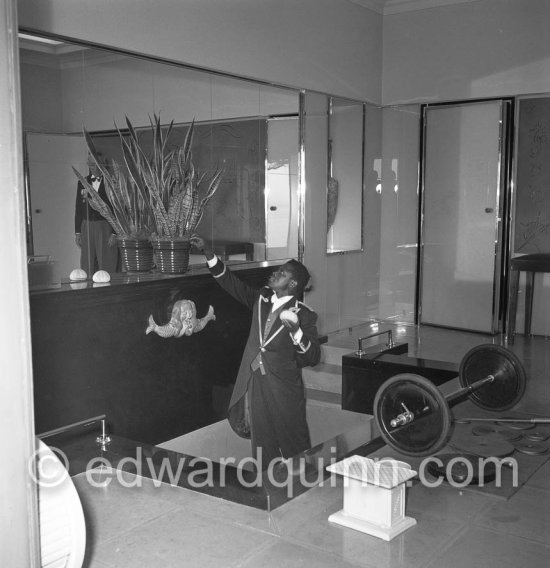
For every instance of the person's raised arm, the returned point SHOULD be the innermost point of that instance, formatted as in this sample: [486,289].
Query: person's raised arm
[240,290]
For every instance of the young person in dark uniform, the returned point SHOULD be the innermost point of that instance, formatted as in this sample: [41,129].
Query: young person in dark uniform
[268,402]
[93,233]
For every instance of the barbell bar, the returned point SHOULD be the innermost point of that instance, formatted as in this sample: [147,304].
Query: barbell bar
[535,420]
[414,417]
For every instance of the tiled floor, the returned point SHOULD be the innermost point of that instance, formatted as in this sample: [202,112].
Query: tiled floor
[143,526]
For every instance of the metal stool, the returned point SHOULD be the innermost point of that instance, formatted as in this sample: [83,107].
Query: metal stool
[530,264]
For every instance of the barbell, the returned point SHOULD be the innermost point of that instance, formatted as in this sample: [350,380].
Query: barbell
[414,417]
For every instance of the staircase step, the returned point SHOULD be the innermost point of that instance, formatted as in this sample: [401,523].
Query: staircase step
[333,355]
[332,398]
[324,377]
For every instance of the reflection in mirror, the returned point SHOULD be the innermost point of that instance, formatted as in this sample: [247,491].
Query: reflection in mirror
[233,146]
[532,211]
[282,188]
[346,143]
[248,129]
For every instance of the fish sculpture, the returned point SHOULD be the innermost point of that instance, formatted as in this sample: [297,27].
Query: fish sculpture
[183,321]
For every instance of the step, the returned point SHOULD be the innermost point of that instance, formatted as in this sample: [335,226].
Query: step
[333,355]
[324,377]
[334,399]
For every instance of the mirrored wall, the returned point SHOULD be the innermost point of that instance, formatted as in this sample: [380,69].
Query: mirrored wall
[345,178]
[248,130]
[531,212]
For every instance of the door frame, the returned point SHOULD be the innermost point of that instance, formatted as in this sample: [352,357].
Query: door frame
[503,242]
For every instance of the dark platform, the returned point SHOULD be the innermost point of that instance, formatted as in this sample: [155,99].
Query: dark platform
[260,490]
[362,376]
[91,355]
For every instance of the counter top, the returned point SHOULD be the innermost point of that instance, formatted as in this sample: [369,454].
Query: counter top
[124,278]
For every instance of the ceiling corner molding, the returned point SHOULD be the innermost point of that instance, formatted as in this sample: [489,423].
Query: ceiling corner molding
[398,6]
[374,5]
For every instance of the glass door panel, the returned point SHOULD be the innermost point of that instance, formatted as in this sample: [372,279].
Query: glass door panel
[281,182]
[461,215]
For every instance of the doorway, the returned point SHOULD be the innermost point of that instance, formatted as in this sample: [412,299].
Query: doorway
[464,232]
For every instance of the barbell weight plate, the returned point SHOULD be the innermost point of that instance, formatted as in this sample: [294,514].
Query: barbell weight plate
[497,431]
[461,468]
[537,436]
[510,380]
[531,448]
[431,427]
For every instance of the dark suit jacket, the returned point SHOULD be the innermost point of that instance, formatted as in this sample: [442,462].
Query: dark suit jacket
[83,211]
[281,386]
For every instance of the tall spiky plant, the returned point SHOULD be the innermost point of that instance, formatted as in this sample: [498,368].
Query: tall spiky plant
[162,195]
[177,192]
[129,213]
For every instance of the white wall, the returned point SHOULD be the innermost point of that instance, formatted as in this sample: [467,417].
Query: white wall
[486,48]
[18,519]
[333,46]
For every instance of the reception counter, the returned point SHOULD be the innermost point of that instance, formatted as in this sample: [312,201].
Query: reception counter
[91,355]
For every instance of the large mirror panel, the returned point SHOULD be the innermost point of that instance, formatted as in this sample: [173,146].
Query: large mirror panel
[345,180]
[248,130]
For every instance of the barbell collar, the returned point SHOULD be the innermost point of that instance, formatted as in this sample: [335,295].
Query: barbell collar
[403,418]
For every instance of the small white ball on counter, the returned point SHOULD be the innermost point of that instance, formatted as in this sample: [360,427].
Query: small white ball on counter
[101,276]
[78,274]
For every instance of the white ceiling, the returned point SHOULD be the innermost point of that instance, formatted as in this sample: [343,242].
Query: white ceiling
[396,6]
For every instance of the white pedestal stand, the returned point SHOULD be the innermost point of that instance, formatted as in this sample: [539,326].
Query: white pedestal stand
[374,496]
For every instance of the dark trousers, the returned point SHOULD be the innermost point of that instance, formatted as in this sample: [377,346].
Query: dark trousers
[96,254]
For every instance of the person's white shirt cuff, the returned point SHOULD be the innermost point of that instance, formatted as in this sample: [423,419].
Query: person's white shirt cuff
[297,337]
[212,262]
